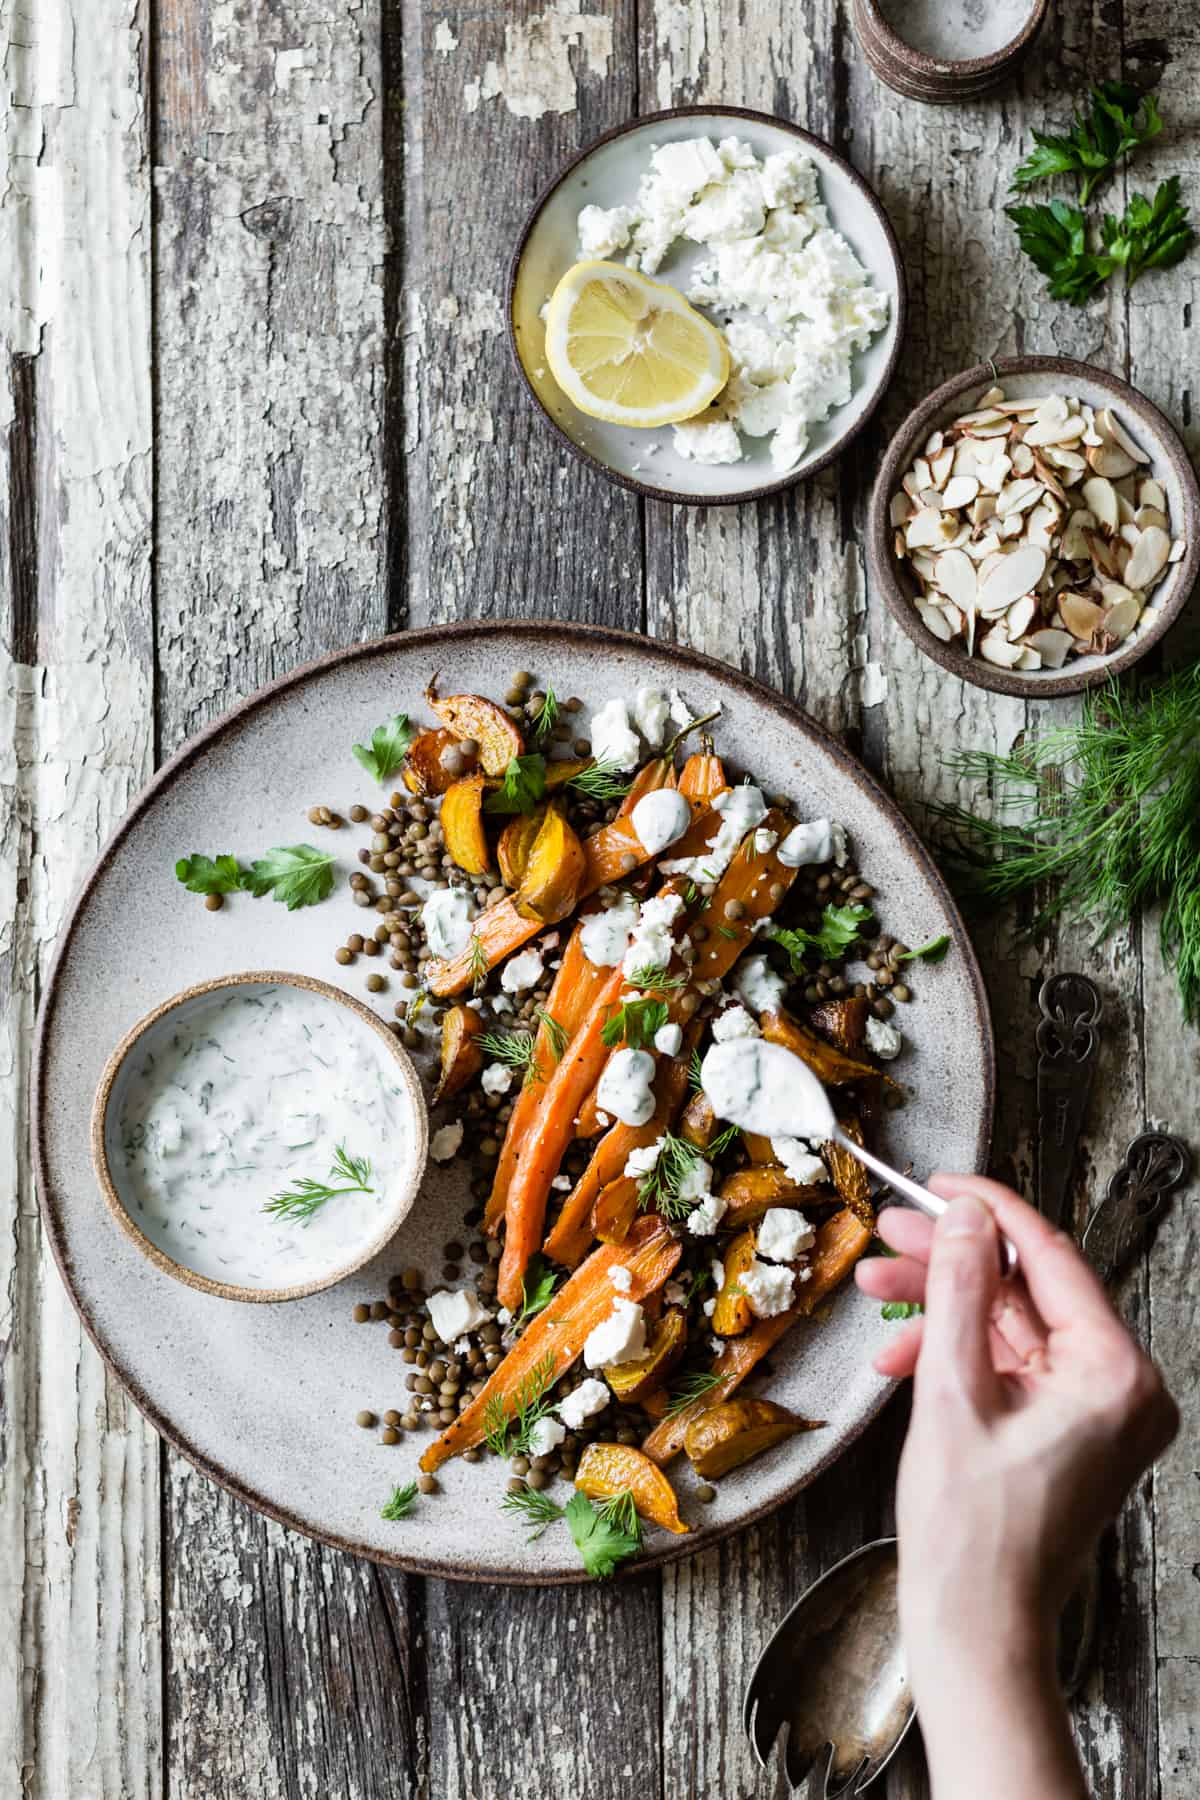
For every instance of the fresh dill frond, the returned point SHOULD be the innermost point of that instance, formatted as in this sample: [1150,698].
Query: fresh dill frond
[478,967]
[547,717]
[653,978]
[697,1284]
[727,931]
[724,1141]
[660,1186]
[691,894]
[689,1388]
[507,1433]
[602,781]
[401,1502]
[512,1048]
[557,1035]
[622,1514]
[305,1196]
[694,1073]
[537,1510]
[1100,819]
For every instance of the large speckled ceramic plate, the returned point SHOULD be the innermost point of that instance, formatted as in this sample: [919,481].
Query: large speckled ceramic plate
[262,1398]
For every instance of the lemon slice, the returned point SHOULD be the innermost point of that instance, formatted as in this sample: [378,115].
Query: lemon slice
[629,350]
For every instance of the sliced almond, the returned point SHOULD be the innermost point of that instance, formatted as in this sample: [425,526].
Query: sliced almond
[1049,479]
[1100,498]
[940,467]
[958,619]
[925,529]
[1177,551]
[1022,460]
[922,562]
[1081,617]
[995,648]
[1150,515]
[1149,558]
[934,443]
[1069,461]
[955,576]
[1028,660]
[960,490]
[983,508]
[984,415]
[1018,496]
[935,620]
[1103,555]
[922,473]
[1052,646]
[1074,546]
[1014,575]
[1056,431]
[1152,493]
[1109,426]
[1120,619]
[1110,461]
[1020,617]
[901,508]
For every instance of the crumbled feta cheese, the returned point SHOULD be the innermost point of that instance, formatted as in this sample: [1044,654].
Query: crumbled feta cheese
[452,1314]
[650,715]
[717,1271]
[734,1022]
[703,1220]
[784,1234]
[799,1163]
[883,1038]
[626,1086]
[522,972]
[497,1078]
[545,1435]
[446,917]
[652,943]
[613,738]
[710,1306]
[446,1141]
[504,1317]
[681,712]
[757,985]
[668,1040]
[583,1402]
[604,230]
[640,1162]
[713,444]
[619,1338]
[621,1277]
[794,302]
[602,1118]
[696,1181]
[764,840]
[741,809]
[768,1287]
[810,843]
[674,1293]
[562,1184]
[659,818]
[604,936]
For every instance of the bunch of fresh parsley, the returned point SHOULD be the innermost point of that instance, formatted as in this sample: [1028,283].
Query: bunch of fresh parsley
[296,874]
[1150,234]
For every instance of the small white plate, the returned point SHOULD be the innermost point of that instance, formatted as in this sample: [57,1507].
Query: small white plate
[607,174]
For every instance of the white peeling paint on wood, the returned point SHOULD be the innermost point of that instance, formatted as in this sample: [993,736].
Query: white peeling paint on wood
[544,59]
[79,1571]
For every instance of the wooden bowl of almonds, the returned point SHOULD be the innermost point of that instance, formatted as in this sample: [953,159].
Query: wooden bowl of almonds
[1035,526]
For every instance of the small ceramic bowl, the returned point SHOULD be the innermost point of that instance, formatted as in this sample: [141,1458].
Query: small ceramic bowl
[330,1262]
[950,50]
[1169,464]
[606,174]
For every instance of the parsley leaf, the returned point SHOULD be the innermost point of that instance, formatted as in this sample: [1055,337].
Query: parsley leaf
[839,929]
[1152,234]
[523,785]
[636,1022]
[932,952]
[537,1290]
[1120,120]
[388,747]
[210,874]
[900,1309]
[296,874]
[601,1539]
[401,1502]
[1054,237]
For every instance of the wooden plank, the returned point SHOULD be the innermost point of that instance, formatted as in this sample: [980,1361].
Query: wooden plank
[79,1595]
[290,1670]
[503,520]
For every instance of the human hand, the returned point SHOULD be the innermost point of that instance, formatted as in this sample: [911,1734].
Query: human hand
[1034,1412]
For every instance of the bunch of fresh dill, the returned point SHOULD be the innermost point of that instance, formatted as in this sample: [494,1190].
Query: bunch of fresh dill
[1105,813]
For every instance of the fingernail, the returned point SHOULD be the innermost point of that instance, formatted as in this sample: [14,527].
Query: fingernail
[965,1217]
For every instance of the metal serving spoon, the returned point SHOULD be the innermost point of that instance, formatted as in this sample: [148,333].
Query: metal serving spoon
[834,1677]
[920,1197]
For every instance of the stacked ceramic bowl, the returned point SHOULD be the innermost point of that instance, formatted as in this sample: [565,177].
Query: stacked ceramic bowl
[946,51]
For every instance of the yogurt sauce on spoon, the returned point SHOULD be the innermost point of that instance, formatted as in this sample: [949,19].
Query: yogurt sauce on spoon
[766,1089]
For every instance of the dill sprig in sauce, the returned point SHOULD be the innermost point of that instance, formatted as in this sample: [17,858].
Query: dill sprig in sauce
[306,1196]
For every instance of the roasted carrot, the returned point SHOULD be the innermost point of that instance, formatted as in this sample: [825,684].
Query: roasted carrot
[832,1066]
[749,1193]
[501,929]
[546,1141]
[841,1240]
[556,1336]
[758,881]
[572,1232]
[615,1210]
[575,987]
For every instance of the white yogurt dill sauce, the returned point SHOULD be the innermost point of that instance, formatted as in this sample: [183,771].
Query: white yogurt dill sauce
[233,1098]
[766,1089]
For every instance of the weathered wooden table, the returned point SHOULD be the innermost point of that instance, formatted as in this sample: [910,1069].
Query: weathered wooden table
[255,403]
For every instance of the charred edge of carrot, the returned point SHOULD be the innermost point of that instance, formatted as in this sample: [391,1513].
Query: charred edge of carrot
[841,1240]
[546,1141]
[650,1253]
[748,880]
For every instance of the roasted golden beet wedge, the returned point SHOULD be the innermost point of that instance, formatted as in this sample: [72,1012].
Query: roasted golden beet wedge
[731,1433]
[462,1058]
[472,716]
[422,772]
[462,824]
[732,1314]
[606,1470]
[842,1022]
[749,1193]
[634,1380]
[554,872]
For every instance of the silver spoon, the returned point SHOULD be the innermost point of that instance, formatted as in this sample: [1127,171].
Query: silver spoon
[834,1677]
[920,1197]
